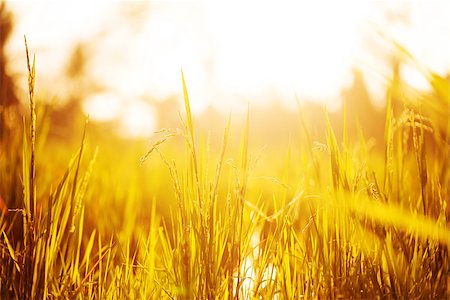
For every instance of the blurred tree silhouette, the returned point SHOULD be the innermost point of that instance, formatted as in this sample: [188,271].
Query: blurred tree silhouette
[68,117]
[11,191]
[8,97]
[360,109]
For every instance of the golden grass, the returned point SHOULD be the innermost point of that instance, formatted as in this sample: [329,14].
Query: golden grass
[338,220]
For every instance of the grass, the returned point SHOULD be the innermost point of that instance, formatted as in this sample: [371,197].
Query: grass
[334,219]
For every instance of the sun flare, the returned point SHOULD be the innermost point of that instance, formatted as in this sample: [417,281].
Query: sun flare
[234,54]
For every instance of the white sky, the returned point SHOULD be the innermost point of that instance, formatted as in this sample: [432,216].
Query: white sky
[231,53]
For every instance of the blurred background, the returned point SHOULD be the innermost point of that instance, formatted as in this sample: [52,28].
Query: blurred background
[120,61]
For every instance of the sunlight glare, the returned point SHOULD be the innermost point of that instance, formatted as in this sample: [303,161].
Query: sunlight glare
[233,54]
[102,107]
[138,119]
[285,48]
[250,271]
[415,78]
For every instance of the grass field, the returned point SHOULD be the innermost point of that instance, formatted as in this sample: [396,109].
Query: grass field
[192,217]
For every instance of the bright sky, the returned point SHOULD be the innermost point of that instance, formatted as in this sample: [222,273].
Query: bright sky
[231,54]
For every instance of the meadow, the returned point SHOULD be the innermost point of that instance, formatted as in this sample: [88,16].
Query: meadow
[196,215]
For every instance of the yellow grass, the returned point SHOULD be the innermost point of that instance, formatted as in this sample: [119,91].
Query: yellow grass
[187,219]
